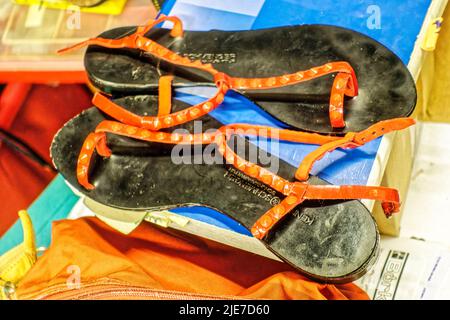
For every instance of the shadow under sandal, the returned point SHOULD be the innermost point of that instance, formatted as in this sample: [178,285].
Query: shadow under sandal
[301,75]
[318,228]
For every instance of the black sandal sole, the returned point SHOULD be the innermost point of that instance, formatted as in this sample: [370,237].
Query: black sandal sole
[387,89]
[329,241]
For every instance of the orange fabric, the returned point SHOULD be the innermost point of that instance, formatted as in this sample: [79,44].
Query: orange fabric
[165,259]
[165,96]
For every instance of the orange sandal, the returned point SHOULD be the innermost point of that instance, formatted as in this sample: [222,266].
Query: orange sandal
[144,53]
[316,227]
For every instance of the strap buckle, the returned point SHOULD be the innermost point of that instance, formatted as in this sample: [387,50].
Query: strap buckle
[352,142]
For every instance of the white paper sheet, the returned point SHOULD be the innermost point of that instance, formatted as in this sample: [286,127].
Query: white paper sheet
[409,269]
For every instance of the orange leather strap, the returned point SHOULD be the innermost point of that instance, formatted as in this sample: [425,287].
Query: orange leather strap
[118,128]
[342,67]
[302,191]
[279,134]
[295,192]
[337,100]
[327,143]
[165,96]
[288,188]
[351,140]
[344,84]
[97,141]
[177,30]
[130,40]
[160,121]
[138,40]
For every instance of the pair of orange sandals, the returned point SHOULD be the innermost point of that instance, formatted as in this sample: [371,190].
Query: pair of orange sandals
[340,240]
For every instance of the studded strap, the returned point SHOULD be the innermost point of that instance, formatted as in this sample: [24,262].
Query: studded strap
[340,86]
[161,121]
[344,84]
[96,141]
[351,140]
[340,67]
[300,192]
[137,40]
[327,143]
[297,192]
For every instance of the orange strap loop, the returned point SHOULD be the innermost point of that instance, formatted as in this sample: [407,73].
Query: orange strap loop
[93,141]
[97,141]
[177,30]
[351,140]
[165,95]
[336,109]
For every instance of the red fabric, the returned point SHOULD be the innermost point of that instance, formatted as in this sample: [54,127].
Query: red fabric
[44,110]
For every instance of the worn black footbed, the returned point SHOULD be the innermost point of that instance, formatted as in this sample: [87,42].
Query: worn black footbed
[329,241]
[387,89]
